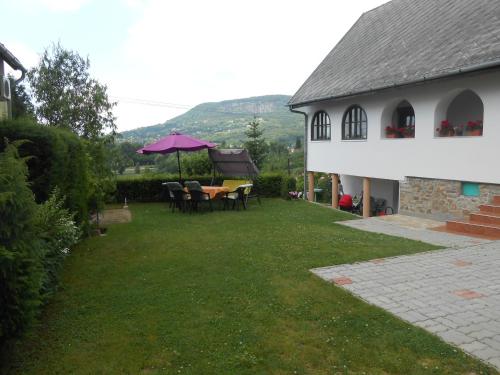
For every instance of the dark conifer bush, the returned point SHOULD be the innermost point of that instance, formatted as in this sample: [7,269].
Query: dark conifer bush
[20,271]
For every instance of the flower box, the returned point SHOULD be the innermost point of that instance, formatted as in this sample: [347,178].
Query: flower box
[474,128]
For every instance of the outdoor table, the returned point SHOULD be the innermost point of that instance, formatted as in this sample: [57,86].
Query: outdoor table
[213,191]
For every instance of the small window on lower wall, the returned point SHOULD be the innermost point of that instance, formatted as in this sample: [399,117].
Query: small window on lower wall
[470,189]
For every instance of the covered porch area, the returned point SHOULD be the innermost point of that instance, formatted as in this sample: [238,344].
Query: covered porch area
[384,193]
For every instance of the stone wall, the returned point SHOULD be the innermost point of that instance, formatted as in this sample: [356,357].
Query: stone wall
[441,199]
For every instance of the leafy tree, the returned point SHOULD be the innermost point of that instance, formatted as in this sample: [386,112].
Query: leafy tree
[298,143]
[276,159]
[119,162]
[255,144]
[120,159]
[197,164]
[166,163]
[21,101]
[101,178]
[67,97]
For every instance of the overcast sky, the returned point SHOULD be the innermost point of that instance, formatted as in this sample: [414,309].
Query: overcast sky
[160,57]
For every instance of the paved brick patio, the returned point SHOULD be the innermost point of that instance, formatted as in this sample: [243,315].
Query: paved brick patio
[453,293]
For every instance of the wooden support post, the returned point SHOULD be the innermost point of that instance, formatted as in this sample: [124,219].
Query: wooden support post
[366,197]
[310,189]
[335,190]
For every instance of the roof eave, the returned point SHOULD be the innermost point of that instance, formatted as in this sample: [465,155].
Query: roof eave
[10,59]
[472,68]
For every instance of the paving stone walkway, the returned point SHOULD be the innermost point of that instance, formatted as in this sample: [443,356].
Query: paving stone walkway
[413,228]
[453,293]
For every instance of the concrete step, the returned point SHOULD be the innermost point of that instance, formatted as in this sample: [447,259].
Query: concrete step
[496,200]
[491,231]
[490,208]
[485,218]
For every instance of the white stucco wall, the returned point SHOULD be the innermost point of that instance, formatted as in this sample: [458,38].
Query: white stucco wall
[455,158]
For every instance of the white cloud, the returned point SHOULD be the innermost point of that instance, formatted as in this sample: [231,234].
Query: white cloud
[194,51]
[135,4]
[55,5]
[64,5]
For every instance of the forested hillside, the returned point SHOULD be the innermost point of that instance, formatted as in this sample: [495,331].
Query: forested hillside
[226,121]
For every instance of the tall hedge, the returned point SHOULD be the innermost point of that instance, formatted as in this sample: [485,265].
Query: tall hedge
[20,273]
[57,158]
[34,240]
[149,188]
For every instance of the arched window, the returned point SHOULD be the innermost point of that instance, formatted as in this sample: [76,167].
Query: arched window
[320,127]
[354,123]
[402,122]
[464,116]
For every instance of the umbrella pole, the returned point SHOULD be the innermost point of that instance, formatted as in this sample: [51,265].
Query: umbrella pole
[179,166]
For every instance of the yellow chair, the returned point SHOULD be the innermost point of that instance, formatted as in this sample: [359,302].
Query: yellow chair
[239,190]
[234,184]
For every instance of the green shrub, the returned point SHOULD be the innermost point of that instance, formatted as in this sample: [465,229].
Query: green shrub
[150,189]
[269,185]
[324,182]
[289,184]
[33,243]
[20,272]
[198,164]
[58,233]
[57,158]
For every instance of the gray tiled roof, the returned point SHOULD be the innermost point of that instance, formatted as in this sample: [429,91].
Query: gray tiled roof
[10,59]
[405,41]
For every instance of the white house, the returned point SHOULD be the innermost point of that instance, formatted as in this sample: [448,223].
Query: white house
[427,71]
[5,83]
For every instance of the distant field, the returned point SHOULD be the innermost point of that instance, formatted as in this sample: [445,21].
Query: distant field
[143,169]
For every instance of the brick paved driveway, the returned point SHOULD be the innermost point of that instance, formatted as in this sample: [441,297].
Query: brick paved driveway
[453,293]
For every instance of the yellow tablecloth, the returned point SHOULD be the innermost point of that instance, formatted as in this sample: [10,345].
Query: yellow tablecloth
[214,190]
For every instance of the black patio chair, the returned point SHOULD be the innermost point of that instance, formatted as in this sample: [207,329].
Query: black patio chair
[239,195]
[168,195]
[179,197]
[251,193]
[357,208]
[198,196]
[379,207]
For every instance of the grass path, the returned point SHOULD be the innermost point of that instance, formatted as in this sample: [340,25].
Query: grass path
[226,293]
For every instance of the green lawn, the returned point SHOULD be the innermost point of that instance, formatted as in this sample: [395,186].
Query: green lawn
[226,293]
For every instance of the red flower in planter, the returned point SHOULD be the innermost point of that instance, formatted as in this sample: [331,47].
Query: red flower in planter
[474,126]
[391,131]
[446,129]
[445,124]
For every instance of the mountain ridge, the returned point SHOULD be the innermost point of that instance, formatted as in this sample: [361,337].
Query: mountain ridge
[226,121]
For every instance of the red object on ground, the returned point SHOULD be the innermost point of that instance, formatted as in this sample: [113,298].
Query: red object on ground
[345,201]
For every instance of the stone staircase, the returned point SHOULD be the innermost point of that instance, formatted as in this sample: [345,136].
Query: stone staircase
[485,223]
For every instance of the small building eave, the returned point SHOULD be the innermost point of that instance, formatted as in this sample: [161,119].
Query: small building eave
[12,61]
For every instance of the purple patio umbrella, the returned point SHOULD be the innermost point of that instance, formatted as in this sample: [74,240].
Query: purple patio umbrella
[176,142]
